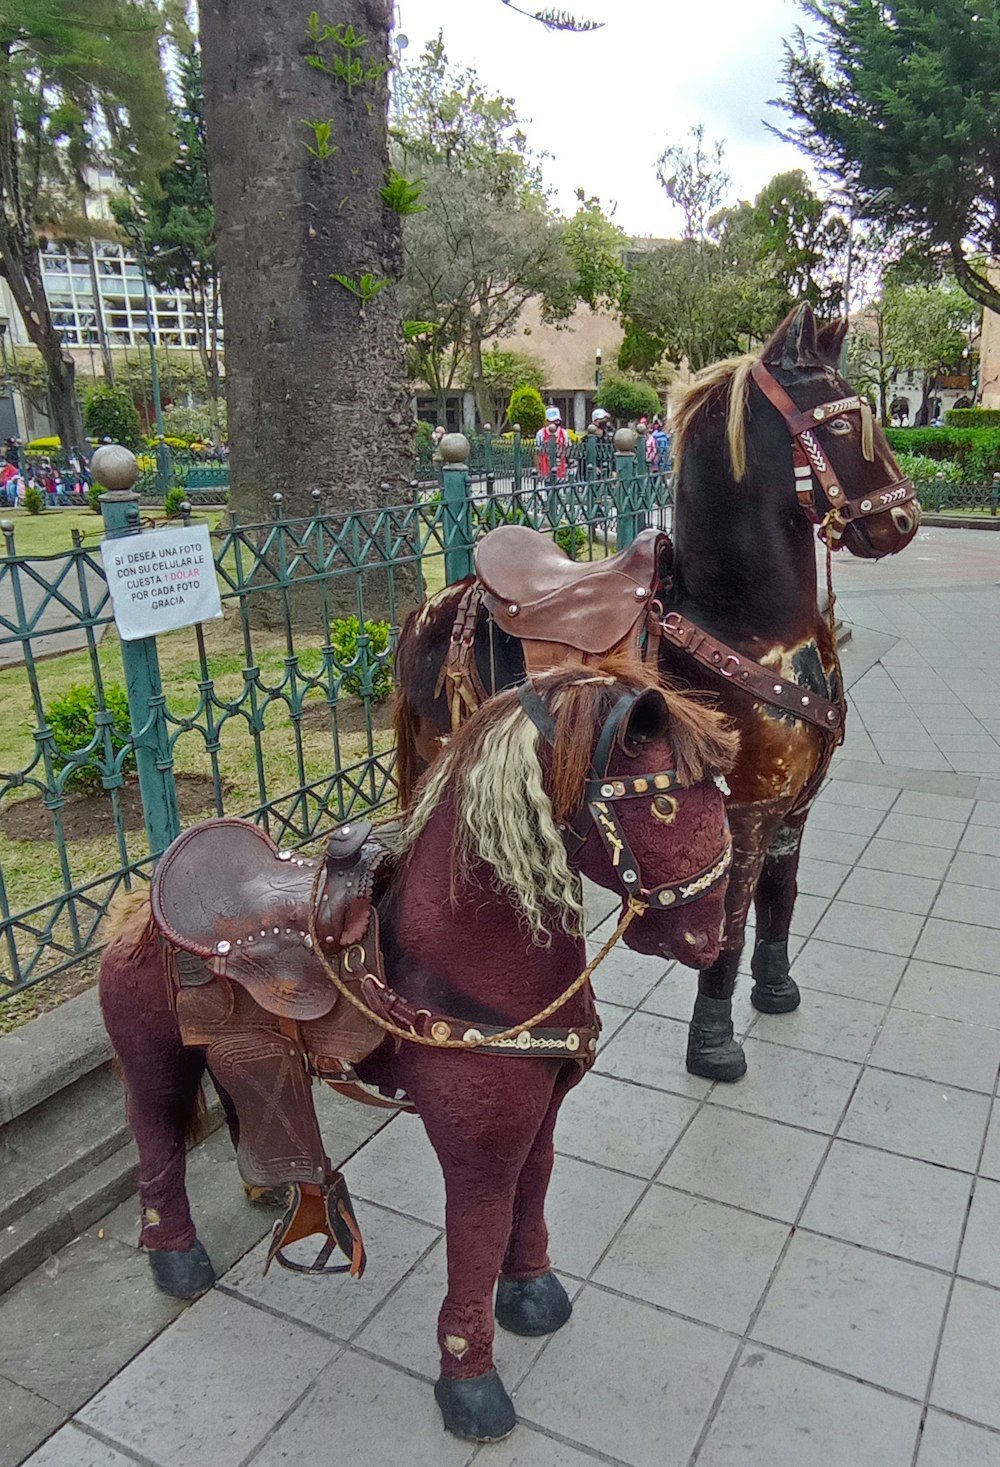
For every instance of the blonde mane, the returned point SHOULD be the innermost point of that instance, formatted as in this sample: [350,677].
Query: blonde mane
[729,379]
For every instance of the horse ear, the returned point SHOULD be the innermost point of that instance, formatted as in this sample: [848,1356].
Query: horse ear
[830,340]
[794,343]
[648,720]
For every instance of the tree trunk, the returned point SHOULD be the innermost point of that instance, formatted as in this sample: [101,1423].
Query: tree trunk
[482,394]
[22,271]
[315,377]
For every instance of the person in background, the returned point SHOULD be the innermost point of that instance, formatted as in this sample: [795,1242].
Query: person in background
[12,452]
[659,439]
[552,439]
[8,483]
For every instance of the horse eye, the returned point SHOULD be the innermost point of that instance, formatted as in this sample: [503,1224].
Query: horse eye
[840,426]
[664,808]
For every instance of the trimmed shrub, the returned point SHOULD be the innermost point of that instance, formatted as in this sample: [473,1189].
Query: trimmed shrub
[109,412]
[48,445]
[172,501]
[344,634]
[924,470]
[572,539]
[628,400]
[34,499]
[975,450]
[73,721]
[94,493]
[973,417]
[527,409]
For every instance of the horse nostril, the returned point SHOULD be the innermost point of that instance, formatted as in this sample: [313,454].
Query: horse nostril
[902,521]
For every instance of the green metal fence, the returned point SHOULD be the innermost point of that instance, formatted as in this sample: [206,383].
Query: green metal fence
[942,497]
[279,712]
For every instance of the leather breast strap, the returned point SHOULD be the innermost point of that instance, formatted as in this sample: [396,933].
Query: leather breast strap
[759,682]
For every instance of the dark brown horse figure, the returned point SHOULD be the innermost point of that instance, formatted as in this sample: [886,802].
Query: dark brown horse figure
[767,448]
[483,919]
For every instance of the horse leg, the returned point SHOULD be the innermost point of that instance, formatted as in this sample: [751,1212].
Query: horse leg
[482,1115]
[712,1050]
[530,1299]
[774,990]
[162,1089]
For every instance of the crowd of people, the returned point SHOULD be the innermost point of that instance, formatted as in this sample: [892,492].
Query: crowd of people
[60,485]
[556,454]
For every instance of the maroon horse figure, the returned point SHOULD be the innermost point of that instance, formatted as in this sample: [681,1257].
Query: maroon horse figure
[592,771]
[766,448]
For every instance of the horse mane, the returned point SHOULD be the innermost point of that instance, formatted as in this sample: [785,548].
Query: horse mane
[726,380]
[508,806]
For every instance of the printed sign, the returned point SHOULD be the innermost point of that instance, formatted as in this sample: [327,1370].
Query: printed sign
[161,580]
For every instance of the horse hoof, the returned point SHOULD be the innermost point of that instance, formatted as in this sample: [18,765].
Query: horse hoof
[712,1052]
[776,998]
[532,1306]
[182,1275]
[478,1410]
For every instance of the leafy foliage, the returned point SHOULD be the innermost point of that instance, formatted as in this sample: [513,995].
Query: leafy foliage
[344,59]
[557,20]
[34,499]
[910,328]
[694,178]
[173,500]
[72,718]
[365,287]
[973,418]
[527,409]
[924,470]
[109,412]
[320,147]
[366,662]
[596,249]
[572,539]
[403,194]
[193,424]
[628,400]
[899,99]
[976,451]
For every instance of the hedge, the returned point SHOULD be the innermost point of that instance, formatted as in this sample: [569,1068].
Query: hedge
[973,418]
[975,450]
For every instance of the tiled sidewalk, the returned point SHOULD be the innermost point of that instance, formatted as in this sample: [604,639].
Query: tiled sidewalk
[800,1270]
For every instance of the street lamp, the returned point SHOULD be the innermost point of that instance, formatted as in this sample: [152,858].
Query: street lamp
[598,375]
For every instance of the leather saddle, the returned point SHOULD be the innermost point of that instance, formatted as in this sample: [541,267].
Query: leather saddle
[552,604]
[224,893]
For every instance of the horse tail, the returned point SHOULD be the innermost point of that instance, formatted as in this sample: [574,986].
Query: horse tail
[129,913]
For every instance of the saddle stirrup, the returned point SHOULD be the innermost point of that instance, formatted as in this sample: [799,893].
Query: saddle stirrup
[325,1209]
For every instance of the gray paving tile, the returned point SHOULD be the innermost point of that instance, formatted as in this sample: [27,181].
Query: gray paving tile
[966,1380]
[808,1090]
[212,1361]
[404,1331]
[72,1447]
[990,1164]
[650,1050]
[980,1258]
[950,993]
[849,819]
[937,807]
[399,1169]
[847,1308]
[917,1118]
[826,1023]
[832,845]
[922,830]
[626,1127]
[891,1203]
[906,858]
[674,996]
[821,878]
[362,1411]
[973,904]
[988,792]
[527,1448]
[394,1244]
[667,1372]
[986,812]
[625,977]
[950,1443]
[868,796]
[959,945]
[850,971]
[982,840]
[931,760]
[890,891]
[25,1420]
[48,1342]
[807,912]
[973,870]
[585,1208]
[746,1161]
[867,927]
[695,1257]
[938,1049]
[612,1016]
[821,1421]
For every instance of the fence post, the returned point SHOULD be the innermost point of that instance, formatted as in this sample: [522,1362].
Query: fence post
[995,495]
[456,507]
[116,470]
[624,489]
[518,470]
[590,450]
[164,466]
[938,490]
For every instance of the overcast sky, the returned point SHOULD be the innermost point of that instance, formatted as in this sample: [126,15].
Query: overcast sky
[604,104]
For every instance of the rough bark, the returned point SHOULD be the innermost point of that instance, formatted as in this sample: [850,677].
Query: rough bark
[314,379]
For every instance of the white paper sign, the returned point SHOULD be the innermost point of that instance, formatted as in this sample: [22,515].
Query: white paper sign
[161,580]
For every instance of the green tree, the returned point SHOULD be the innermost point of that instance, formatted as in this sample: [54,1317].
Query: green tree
[504,370]
[911,328]
[177,219]
[596,250]
[527,409]
[626,399]
[109,412]
[695,179]
[75,83]
[900,100]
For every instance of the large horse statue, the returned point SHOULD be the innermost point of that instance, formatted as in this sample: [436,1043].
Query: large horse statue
[442,982]
[766,449]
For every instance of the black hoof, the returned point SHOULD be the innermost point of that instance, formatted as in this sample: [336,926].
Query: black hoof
[532,1306]
[478,1410]
[182,1275]
[712,1052]
[776,998]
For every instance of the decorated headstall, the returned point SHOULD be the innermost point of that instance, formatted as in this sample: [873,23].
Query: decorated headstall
[819,494]
[601,793]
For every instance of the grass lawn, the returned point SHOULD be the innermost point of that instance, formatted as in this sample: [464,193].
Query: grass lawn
[51,532]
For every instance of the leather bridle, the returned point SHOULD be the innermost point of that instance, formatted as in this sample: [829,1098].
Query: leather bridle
[601,793]
[821,497]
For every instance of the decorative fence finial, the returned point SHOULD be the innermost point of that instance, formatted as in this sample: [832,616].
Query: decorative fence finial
[114,467]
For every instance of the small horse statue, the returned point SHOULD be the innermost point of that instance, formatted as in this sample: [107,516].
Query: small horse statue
[766,449]
[594,771]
